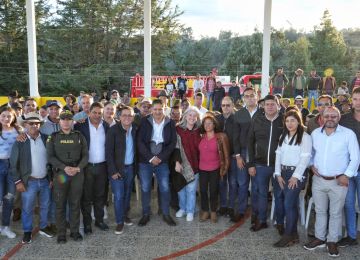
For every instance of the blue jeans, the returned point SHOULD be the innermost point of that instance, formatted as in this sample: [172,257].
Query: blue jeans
[161,171]
[260,191]
[122,189]
[350,212]
[228,182]
[187,196]
[242,179]
[7,191]
[287,202]
[209,96]
[28,203]
[312,94]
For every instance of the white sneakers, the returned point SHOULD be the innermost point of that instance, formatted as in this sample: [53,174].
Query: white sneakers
[6,231]
[190,217]
[180,213]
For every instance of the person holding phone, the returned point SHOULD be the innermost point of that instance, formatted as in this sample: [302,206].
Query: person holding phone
[335,159]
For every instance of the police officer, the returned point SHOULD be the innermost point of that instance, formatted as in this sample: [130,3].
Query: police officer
[68,153]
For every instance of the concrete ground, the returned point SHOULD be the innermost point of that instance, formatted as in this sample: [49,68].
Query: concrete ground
[188,240]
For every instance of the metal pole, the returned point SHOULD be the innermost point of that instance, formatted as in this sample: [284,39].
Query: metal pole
[147,48]
[266,49]
[32,54]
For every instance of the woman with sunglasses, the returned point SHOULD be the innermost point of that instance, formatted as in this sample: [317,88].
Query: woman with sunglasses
[9,130]
[292,158]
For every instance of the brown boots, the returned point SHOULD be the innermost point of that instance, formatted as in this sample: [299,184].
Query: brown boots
[204,215]
[213,217]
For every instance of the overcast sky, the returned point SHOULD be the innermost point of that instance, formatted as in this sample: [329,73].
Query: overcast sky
[209,17]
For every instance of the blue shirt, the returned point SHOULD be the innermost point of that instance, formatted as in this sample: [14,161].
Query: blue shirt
[7,139]
[337,153]
[129,151]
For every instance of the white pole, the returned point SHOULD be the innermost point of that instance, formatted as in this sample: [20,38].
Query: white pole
[32,54]
[147,48]
[266,49]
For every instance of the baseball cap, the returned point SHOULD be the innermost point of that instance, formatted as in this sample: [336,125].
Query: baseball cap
[50,103]
[66,115]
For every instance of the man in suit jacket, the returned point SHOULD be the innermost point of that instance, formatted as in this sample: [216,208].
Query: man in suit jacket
[94,130]
[120,150]
[156,141]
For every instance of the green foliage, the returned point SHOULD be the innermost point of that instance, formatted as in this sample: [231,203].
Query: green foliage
[98,44]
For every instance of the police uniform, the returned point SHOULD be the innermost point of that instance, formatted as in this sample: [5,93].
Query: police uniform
[67,150]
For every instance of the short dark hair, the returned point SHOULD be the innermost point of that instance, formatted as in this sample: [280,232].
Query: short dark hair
[355,91]
[29,99]
[272,97]
[96,104]
[199,94]
[126,108]
[215,122]
[157,102]
[248,89]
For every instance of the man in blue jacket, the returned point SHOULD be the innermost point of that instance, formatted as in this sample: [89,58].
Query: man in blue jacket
[156,141]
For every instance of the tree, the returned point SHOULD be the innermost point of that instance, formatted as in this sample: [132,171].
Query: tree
[13,43]
[328,48]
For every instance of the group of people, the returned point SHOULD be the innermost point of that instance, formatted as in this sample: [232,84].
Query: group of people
[70,159]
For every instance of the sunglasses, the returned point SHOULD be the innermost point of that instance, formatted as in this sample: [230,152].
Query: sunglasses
[324,104]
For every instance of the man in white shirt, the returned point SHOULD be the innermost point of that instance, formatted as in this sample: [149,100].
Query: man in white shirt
[335,160]
[94,130]
[198,100]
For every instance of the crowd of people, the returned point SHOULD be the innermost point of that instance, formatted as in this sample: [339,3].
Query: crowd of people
[60,161]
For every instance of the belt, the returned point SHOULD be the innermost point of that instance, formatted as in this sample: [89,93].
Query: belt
[331,178]
[36,179]
[284,168]
[95,164]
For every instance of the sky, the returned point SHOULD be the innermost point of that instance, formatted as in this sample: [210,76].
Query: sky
[209,17]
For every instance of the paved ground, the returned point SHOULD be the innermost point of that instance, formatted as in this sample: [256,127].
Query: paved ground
[158,240]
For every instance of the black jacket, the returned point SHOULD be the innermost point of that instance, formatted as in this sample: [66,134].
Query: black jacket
[231,129]
[84,129]
[263,140]
[243,120]
[144,136]
[115,148]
